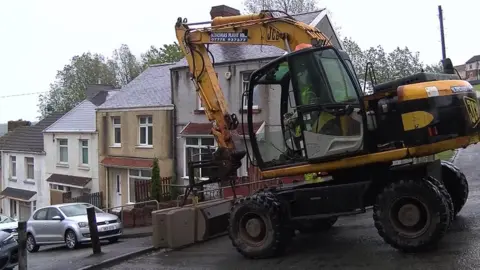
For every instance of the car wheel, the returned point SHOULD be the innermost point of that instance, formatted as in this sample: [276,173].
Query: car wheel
[71,239]
[113,240]
[32,244]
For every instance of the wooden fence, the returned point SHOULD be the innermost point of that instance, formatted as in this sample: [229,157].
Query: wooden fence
[92,198]
[143,189]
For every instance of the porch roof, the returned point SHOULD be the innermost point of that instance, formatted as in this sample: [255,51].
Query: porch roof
[17,194]
[127,162]
[71,180]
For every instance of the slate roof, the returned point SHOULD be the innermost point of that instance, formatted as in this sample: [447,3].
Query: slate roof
[79,119]
[29,138]
[236,53]
[69,180]
[473,59]
[82,117]
[149,89]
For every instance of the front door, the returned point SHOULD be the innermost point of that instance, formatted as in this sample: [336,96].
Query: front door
[328,104]
[25,210]
[117,191]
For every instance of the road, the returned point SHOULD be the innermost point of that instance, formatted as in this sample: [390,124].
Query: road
[352,244]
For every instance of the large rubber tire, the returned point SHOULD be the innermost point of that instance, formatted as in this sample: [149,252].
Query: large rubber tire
[317,225]
[443,190]
[456,184]
[432,210]
[270,235]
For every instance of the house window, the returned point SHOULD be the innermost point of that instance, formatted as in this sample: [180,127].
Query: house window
[199,100]
[135,176]
[13,167]
[199,103]
[117,131]
[197,149]
[60,187]
[146,130]
[62,150]
[34,206]
[84,152]
[29,168]
[245,85]
[13,208]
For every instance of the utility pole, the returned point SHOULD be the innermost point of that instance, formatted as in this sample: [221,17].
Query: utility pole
[442,34]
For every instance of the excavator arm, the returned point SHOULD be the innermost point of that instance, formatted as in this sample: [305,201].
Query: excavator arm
[257,29]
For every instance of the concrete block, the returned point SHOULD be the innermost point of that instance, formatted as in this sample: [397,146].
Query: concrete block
[181,227]
[160,228]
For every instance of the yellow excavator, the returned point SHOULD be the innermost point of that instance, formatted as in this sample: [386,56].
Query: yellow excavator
[329,125]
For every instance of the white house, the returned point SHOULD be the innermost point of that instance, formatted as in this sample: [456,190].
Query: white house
[71,145]
[23,163]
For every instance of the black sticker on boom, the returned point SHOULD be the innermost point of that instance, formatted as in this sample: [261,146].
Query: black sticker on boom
[228,37]
[471,106]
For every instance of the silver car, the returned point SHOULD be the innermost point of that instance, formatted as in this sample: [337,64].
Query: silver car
[68,223]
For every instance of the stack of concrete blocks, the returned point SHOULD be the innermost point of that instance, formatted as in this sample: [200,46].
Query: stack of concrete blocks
[181,226]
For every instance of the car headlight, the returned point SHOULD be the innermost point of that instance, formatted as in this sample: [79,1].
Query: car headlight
[83,224]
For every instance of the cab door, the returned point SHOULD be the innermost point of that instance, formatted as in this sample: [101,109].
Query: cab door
[328,103]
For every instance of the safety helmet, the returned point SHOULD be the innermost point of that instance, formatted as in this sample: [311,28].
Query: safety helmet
[302,46]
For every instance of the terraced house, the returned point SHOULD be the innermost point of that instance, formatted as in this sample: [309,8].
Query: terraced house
[71,145]
[23,163]
[134,127]
[233,65]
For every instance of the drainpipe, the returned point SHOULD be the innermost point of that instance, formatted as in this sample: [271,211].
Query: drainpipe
[106,189]
[174,129]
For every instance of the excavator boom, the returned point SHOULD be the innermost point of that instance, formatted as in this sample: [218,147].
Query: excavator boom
[256,29]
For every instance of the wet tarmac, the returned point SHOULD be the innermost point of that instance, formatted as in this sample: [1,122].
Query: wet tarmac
[352,244]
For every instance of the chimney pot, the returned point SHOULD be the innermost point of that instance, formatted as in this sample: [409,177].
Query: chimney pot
[223,11]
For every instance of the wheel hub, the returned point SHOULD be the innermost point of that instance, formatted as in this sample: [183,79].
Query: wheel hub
[254,227]
[409,215]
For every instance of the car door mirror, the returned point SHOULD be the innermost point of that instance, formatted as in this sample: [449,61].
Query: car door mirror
[57,218]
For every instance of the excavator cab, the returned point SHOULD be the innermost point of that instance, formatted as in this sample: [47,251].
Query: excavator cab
[320,109]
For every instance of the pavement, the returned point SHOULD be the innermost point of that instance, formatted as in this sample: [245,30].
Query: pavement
[352,244]
[59,257]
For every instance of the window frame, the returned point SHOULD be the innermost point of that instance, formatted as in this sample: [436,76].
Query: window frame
[199,146]
[13,167]
[27,164]
[60,187]
[244,86]
[147,125]
[135,177]
[59,150]
[116,126]
[82,148]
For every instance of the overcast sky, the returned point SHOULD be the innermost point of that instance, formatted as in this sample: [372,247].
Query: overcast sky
[39,37]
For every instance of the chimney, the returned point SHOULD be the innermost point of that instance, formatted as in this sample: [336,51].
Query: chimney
[93,89]
[12,125]
[223,11]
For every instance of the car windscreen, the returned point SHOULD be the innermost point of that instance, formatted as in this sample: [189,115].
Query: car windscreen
[5,219]
[77,210]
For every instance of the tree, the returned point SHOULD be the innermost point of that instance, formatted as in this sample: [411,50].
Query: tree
[70,83]
[124,65]
[396,64]
[288,6]
[170,53]
[156,185]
